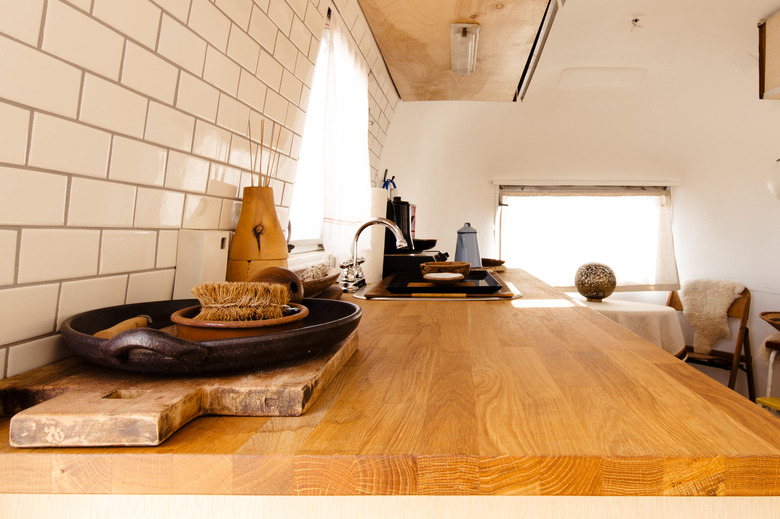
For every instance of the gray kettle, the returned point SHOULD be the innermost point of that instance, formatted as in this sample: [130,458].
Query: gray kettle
[467,248]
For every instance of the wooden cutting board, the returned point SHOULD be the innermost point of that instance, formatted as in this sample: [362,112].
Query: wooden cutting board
[75,403]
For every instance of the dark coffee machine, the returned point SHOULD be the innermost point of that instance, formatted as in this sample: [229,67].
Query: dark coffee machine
[399,212]
[407,258]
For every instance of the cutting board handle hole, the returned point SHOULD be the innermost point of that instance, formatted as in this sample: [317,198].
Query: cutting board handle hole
[126,394]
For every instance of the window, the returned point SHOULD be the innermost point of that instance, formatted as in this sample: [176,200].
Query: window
[550,231]
[332,185]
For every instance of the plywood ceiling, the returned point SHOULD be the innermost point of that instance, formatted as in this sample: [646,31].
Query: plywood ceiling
[414,39]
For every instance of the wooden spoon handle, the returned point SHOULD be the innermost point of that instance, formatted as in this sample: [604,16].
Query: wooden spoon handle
[140,321]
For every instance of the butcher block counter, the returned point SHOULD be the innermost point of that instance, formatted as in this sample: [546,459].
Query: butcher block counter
[538,396]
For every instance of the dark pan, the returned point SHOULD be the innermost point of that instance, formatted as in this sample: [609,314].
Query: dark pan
[149,350]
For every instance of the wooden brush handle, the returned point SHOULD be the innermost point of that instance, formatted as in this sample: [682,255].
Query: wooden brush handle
[285,277]
[140,321]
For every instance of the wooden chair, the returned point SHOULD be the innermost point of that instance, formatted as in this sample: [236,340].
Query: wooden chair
[741,357]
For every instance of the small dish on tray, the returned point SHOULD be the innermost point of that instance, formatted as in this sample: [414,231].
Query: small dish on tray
[443,278]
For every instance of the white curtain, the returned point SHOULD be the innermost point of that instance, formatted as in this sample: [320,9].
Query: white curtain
[334,152]
[550,231]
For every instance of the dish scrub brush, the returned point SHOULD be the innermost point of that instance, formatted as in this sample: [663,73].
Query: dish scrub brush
[242,301]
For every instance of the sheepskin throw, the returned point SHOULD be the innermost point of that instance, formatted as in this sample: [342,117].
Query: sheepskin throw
[705,306]
[763,352]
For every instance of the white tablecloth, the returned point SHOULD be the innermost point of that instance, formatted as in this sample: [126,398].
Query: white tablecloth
[657,323]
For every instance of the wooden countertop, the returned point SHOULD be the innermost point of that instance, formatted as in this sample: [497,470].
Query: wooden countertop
[536,396]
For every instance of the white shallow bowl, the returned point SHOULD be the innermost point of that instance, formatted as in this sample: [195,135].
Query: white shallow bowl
[443,278]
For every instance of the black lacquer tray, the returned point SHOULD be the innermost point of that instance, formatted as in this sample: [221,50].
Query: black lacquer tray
[476,282]
[156,351]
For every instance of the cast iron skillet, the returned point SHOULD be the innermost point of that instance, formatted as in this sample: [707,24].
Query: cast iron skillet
[149,350]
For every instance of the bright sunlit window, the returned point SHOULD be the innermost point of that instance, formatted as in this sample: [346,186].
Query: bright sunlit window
[332,184]
[550,231]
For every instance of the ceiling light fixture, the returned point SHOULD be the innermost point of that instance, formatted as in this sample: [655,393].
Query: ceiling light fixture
[463,47]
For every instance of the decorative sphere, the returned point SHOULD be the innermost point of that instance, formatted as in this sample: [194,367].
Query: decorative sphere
[595,281]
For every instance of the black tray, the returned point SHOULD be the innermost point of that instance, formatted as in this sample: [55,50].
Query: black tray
[476,282]
[150,350]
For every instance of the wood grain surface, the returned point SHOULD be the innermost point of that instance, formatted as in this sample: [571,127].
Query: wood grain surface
[535,396]
[414,38]
[87,405]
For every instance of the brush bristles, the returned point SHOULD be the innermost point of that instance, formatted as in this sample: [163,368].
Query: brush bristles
[241,301]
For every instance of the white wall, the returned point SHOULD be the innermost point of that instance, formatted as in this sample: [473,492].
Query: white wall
[695,117]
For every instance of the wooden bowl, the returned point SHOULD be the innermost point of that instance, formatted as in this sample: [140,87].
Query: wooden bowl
[458,267]
[314,287]
[191,329]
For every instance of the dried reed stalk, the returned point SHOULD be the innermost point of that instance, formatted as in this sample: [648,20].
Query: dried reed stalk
[241,301]
[273,159]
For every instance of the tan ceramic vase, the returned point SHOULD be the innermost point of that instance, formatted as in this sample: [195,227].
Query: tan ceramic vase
[259,240]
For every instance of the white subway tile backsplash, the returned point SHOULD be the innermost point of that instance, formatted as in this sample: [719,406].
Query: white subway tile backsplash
[137,162]
[231,210]
[211,141]
[237,10]
[22,20]
[27,312]
[147,73]
[315,21]
[31,197]
[84,5]
[299,6]
[13,133]
[155,208]
[285,52]
[139,19]
[252,91]
[197,97]
[201,212]
[224,181]
[178,8]
[181,45]
[239,153]
[28,76]
[33,354]
[300,35]
[95,203]
[88,294]
[221,71]
[7,257]
[186,172]
[269,70]
[296,119]
[304,70]
[275,106]
[112,107]
[150,286]
[243,49]
[42,257]
[125,251]
[232,114]
[79,39]
[169,127]
[281,14]
[63,145]
[263,29]
[291,87]
[210,23]
[167,245]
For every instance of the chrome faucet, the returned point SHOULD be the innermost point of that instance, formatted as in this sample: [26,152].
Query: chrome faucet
[352,276]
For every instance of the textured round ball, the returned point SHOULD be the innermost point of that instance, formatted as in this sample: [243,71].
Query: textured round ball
[595,281]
